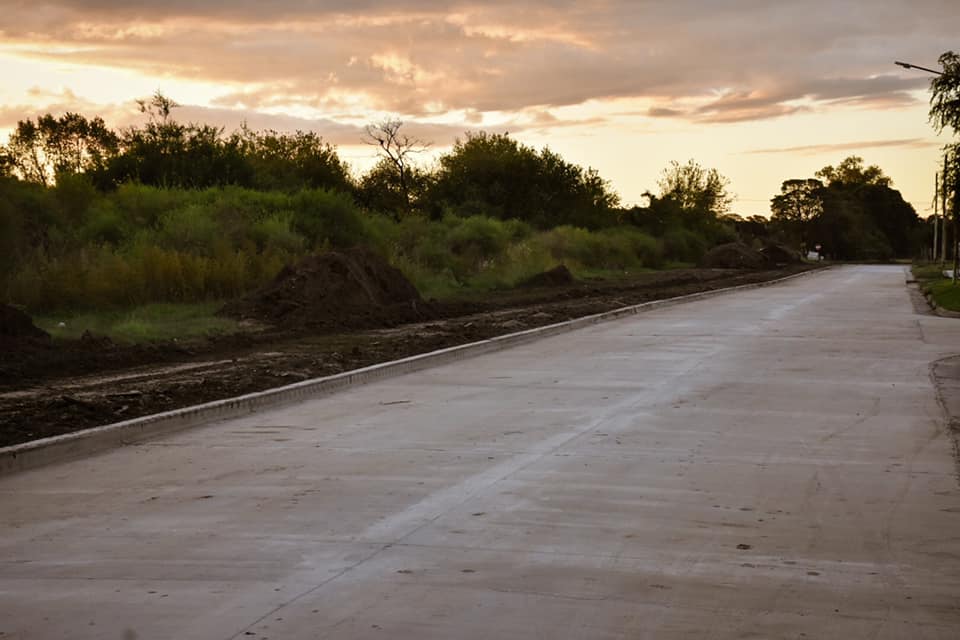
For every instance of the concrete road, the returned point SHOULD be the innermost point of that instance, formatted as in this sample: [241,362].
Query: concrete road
[764,464]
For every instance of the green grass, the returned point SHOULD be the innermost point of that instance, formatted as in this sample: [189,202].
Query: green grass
[146,323]
[944,293]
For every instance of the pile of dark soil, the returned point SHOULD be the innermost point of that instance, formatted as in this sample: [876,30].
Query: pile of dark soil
[778,254]
[352,289]
[16,326]
[734,255]
[556,277]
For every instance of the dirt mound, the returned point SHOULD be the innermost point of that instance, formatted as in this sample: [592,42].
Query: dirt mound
[348,289]
[15,325]
[779,254]
[734,255]
[556,277]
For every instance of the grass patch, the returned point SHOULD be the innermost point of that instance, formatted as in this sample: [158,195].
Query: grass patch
[926,271]
[944,293]
[146,323]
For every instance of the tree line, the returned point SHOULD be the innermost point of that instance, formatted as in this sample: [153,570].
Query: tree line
[215,213]
[850,211]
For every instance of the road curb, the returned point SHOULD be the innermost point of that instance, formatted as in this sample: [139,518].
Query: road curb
[70,446]
[937,309]
[945,374]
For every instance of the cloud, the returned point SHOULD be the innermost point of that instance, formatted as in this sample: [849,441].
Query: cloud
[59,102]
[438,135]
[705,62]
[813,149]
[664,112]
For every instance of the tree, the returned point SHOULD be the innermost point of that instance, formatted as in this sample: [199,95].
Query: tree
[170,154]
[166,153]
[397,148]
[695,189]
[945,94]
[855,215]
[800,201]
[39,151]
[25,149]
[494,175]
[6,163]
[852,173]
[292,161]
[751,230]
[158,107]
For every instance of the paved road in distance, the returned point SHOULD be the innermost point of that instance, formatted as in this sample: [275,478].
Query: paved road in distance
[771,463]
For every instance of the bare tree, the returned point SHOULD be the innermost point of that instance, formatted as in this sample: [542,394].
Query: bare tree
[158,107]
[397,148]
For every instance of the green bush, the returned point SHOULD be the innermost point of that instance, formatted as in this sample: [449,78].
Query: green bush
[104,224]
[275,232]
[143,206]
[478,238]
[683,245]
[323,216]
[191,227]
[618,248]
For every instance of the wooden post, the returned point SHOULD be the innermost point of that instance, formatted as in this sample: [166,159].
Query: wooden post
[955,204]
[936,191]
[943,212]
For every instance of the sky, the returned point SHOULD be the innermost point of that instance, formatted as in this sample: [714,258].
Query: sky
[761,90]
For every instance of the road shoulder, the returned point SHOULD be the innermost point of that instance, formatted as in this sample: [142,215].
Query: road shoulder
[946,378]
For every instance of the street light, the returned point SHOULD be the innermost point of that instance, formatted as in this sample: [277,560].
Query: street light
[956,223]
[907,65]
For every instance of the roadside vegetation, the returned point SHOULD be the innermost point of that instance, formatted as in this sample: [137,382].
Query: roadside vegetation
[938,287]
[123,224]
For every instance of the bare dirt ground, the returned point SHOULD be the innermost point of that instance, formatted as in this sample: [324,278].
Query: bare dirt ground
[48,389]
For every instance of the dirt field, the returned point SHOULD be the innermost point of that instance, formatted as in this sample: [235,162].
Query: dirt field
[51,389]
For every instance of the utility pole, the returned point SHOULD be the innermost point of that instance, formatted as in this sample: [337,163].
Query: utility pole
[936,191]
[943,211]
[955,203]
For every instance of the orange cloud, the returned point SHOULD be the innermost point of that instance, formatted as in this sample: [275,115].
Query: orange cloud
[426,57]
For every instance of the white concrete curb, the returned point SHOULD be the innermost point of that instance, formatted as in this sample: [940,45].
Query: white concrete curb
[81,443]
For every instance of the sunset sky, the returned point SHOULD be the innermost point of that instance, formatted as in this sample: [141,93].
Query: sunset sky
[761,90]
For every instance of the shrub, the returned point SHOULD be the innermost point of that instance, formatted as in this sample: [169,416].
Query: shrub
[275,232]
[478,238]
[327,216]
[104,224]
[191,227]
[74,195]
[143,206]
[683,245]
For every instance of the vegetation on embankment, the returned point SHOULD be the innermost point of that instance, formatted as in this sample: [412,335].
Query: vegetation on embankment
[165,212]
[936,286]
[76,248]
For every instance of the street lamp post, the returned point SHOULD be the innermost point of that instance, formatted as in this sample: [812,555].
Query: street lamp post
[907,65]
[943,186]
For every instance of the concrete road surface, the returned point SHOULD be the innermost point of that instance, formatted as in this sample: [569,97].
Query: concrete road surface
[764,464]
